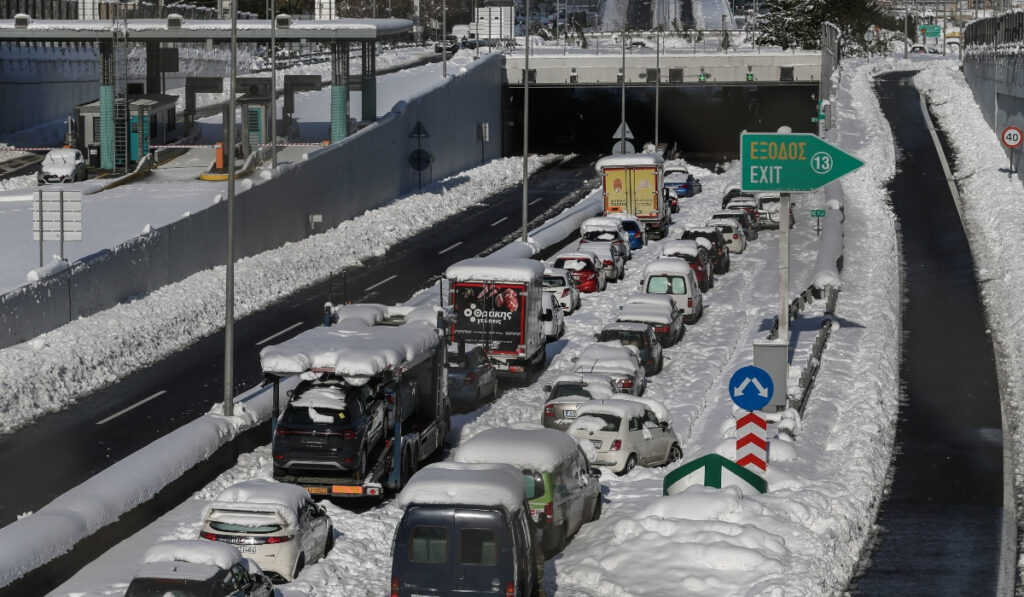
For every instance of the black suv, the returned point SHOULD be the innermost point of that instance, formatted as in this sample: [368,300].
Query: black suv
[720,258]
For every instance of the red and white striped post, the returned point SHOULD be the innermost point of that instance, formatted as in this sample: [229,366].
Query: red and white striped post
[752,443]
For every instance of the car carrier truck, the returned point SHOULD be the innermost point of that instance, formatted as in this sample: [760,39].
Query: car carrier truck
[372,402]
[633,185]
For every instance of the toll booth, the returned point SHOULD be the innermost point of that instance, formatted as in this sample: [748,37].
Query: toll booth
[152,118]
[256,115]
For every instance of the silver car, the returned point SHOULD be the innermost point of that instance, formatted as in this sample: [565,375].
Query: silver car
[472,380]
[568,391]
[618,362]
[640,335]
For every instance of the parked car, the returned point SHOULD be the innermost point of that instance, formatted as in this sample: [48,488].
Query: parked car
[732,231]
[450,44]
[640,335]
[618,362]
[612,262]
[746,222]
[194,567]
[328,427]
[658,311]
[768,205]
[552,316]
[466,530]
[560,284]
[627,433]
[719,251]
[679,179]
[673,200]
[636,233]
[275,524]
[610,230]
[694,254]
[748,206]
[562,489]
[673,276]
[62,165]
[584,267]
[917,49]
[733,191]
[472,379]
[566,393]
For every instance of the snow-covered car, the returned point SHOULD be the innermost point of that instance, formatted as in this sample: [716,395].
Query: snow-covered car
[450,44]
[658,311]
[741,216]
[277,525]
[568,391]
[612,262]
[918,49]
[732,191]
[719,249]
[195,567]
[636,233]
[749,206]
[679,179]
[627,433]
[731,229]
[695,253]
[62,165]
[640,335]
[610,230]
[673,276]
[560,284]
[563,491]
[552,316]
[585,268]
[621,363]
[472,379]
[768,206]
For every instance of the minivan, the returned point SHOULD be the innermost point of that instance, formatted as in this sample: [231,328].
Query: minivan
[674,276]
[466,531]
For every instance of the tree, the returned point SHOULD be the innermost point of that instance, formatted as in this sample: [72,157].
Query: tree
[797,23]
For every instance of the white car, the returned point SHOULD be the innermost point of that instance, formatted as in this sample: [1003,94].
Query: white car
[674,277]
[62,165]
[195,567]
[560,284]
[552,317]
[621,363]
[627,433]
[733,233]
[277,525]
[611,230]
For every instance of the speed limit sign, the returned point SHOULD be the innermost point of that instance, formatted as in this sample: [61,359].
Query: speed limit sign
[1012,137]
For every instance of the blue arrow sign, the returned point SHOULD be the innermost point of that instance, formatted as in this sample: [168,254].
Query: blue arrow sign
[751,388]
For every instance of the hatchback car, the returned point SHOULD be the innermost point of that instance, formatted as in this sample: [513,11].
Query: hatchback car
[610,230]
[696,255]
[62,165]
[627,433]
[584,267]
[472,379]
[275,524]
[640,335]
[195,567]
[563,491]
[552,317]
[732,191]
[741,216]
[679,179]
[562,286]
[768,206]
[660,312]
[636,233]
[618,362]
[719,251]
[731,229]
[613,262]
[566,393]
[673,276]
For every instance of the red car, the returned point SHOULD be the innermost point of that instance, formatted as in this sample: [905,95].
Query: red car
[584,267]
[696,256]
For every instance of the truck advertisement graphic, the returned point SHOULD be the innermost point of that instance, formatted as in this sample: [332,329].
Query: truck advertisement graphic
[645,192]
[492,315]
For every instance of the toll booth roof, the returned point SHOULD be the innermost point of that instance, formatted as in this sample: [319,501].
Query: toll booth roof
[142,30]
[153,101]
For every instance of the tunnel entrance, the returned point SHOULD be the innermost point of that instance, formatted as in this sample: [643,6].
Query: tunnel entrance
[702,122]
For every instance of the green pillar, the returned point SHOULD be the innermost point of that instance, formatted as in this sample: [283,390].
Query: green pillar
[107,105]
[369,76]
[339,90]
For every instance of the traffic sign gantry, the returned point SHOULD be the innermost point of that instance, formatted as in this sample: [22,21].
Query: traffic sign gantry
[791,162]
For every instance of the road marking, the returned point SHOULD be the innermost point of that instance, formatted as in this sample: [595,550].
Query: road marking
[384,281]
[285,330]
[443,251]
[560,186]
[535,200]
[499,221]
[136,405]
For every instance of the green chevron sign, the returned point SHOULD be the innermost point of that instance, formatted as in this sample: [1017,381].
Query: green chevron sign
[791,162]
[713,470]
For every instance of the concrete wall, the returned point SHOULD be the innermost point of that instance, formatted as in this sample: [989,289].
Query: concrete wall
[42,83]
[339,182]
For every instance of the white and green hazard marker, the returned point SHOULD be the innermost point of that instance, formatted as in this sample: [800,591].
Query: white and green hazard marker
[714,470]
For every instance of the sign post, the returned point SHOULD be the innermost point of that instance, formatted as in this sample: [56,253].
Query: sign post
[56,215]
[1012,139]
[817,214]
[419,159]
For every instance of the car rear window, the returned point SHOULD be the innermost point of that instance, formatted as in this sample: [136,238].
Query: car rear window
[563,390]
[666,285]
[534,484]
[170,587]
[478,547]
[638,339]
[573,264]
[553,282]
[600,235]
[254,529]
[428,545]
[611,422]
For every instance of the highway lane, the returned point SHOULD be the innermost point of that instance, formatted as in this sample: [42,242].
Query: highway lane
[940,524]
[62,449]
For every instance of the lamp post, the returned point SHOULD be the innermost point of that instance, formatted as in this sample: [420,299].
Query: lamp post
[657,83]
[444,39]
[229,272]
[273,85]
[622,120]
[526,123]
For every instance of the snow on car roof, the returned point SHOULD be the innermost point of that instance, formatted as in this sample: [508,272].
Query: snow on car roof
[655,406]
[621,215]
[667,266]
[260,496]
[661,300]
[595,379]
[600,248]
[674,248]
[635,159]
[646,313]
[60,156]
[495,269]
[703,242]
[608,350]
[321,397]
[623,409]
[630,326]
[719,222]
[556,271]
[210,554]
[577,254]
[741,201]
[682,169]
[539,450]
[368,313]
[702,229]
[592,224]
[461,483]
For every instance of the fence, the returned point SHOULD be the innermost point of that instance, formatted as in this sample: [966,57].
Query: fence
[69,10]
[831,54]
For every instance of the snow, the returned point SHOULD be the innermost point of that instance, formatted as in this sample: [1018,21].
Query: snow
[587,424]
[601,385]
[260,497]
[539,450]
[659,300]
[576,260]
[449,483]
[495,270]
[367,314]
[680,248]
[653,314]
[625,161]
[655,406]
[667,266]
[208,553]
[624,409]
[600,224]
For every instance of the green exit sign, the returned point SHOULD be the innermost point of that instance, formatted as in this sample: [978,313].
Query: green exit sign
[790,162]
[931,30]
[817,213]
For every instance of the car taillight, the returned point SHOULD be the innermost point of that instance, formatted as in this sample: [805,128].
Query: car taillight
[735,235]
[689,302]
[394,586]
[207,535]
[549,410]
[565,292]
[515,369]
[608,262]
[636,234]
[549,511]
[661,328]
[283,539]
[625,383]
[616,445]
[510,589]
[470,378]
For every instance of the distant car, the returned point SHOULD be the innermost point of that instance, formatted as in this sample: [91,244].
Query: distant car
[917,49]
[640,335]
[733,191]
[627,433]
[748,206]
[611,230]
[733,233]
[657,311]
[719,252]
[568,390]
[621,363]
[673,200]
[560,284]
[694,254]
[449,44]
[679,179]
[194,567]
[552,316]
[741,216]
[275,524]
[673,276]
[62,165]
[472,380]
[768,205]
[585,267]
[635,230]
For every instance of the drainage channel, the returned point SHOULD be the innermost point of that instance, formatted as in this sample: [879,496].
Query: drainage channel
[940,526]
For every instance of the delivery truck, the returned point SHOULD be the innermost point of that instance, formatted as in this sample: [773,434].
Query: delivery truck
[633,185]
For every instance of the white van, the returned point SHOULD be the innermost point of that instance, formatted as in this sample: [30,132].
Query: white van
[674,276]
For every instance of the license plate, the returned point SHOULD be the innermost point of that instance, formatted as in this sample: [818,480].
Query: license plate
[596,442]
[568,414]
[317,490]
[246,548]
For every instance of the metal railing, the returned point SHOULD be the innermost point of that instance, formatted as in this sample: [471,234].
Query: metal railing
[993,32]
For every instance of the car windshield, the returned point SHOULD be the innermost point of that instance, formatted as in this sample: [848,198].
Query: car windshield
[569,389]
[632,338]
[553,282]
[666,285]
[600,235]
[173,587]
[572,264]
[611,422]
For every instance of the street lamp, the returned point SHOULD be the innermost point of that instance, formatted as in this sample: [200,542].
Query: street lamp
[229,273]
[526,122]
[273,84]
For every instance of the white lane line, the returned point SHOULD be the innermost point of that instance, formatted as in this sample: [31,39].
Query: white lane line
[384,281]
[535,200]
[136,405]
[499,221]
[285,330]
[443,251]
